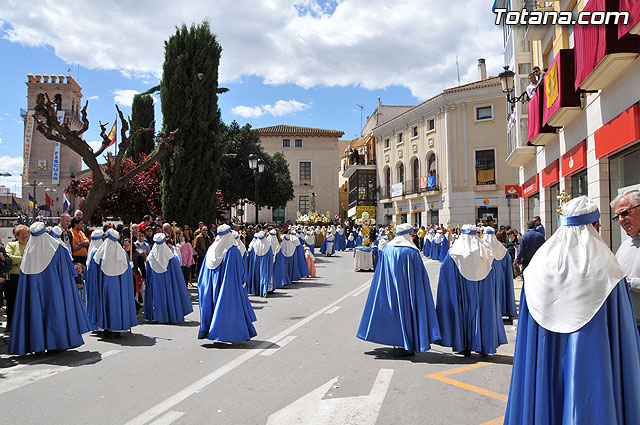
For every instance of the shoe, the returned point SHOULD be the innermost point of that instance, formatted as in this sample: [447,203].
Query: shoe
[466,353]
[401,352]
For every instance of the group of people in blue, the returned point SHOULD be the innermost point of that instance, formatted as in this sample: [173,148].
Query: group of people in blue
[577,350]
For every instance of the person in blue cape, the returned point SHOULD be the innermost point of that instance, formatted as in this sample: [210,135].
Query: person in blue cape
[226,314]
[112,307]
[351,241]
[503,267]
[166,299]
[426,248]
[97,239]
[243,252]
[301,260]
[383,240]
[341,240]
[577,354]
[359,238]
[444,248]
[467,307]
[328,247]
[399,310]
[48,313]
[310,241]
[284,268]
[260,273]
[436,245]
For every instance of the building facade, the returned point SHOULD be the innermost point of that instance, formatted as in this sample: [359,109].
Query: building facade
[49,166]
[443,160]
[584,119]
[312,154]
[360,172]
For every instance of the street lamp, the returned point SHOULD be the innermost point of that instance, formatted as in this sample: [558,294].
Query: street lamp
[506,79]
[257,165]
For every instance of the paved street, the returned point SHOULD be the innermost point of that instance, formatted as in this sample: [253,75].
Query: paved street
[305,366]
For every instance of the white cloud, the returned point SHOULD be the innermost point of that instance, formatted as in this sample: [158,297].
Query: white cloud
[280,108]
[368,43]
[94,97]
[124,97]
[13,166]
[95,145]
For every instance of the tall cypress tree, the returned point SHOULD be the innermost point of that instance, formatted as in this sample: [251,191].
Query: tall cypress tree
[189,95]
[142,115]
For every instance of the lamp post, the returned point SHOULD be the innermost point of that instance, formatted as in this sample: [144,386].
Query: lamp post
[508,87]
[257,165]
[35,202]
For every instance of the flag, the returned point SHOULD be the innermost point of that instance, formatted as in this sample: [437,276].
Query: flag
[551,86]
[15,203]
[33,204]
[45,208]
[48,200]
[66,203]
[112,134]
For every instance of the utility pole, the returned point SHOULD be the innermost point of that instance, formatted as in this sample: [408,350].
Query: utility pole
[361,108]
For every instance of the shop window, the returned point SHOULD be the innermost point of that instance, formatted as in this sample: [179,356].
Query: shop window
[579,184]
[554,191]
[533,206]
[624,175]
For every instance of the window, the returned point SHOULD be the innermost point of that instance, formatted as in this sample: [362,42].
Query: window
[386,143]
[286,143]
[57,99]
[305,170]
[579,184]
[277,214]
[303,204]
[401,173]
[431,124]
[399,141]
[414,131]
[431,164]
[485,167]
[298,143]
[387,178]
[524,68]
[484,112]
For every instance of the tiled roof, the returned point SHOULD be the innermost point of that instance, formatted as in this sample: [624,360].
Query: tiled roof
[293,130]
[489,82]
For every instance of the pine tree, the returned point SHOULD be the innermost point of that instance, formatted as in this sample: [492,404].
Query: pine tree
[142,116]
[189,96]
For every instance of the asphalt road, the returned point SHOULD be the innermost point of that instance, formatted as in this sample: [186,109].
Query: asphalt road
[305,367]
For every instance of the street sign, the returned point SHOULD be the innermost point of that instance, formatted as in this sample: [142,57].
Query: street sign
[512,191]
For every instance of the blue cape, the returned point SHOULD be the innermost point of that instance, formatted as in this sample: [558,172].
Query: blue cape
[468,312]
[283,270]
[324,248]
[444,249]
[166,299]
[504,286]
[260,273]
[341,242]
[301,262]
[225,311]
[590,376]
[434,254]
[110,303]
[48,313]
[399,310]
[426,248]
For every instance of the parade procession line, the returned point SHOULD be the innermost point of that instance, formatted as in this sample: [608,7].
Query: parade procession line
[200,384]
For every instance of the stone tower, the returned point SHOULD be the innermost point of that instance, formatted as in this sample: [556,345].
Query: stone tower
[46,161]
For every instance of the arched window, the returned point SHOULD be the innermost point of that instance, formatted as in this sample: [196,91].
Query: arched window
[431,164]
[57,99]
[40,99]
[387,177]
[415,165]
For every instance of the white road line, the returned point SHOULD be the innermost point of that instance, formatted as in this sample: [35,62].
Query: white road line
[168,418]
[167,404]
[332,310]
[15,379]
[284,341]
[362,289]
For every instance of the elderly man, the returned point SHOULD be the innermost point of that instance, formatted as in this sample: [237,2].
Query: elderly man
[627,213]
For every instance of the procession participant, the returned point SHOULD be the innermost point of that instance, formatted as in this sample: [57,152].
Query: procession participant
[359,238]
[426,249]
[444,248]
[468,313]
[341,241]
[310,240]
[260,272]
[301,262]
[328,247]
[97,238]
[318,237]
[225,311]
[186,257]
[284,267]
[502,265]
[295,271]
[436,245]
[112,307]
[399,310]
[310,259]
[166,299]
[272,238]
[577,354]
[383,240]
[48,313]
[351,241]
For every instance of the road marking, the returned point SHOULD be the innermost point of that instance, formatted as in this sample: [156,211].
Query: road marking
[314,409]
[197,386]
[496,421]
[362,289]
[332,310]
[13,379]
[168,418]
[442,376]
[284,341]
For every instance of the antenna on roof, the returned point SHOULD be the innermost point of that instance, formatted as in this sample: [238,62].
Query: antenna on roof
[361,108]
[458,69]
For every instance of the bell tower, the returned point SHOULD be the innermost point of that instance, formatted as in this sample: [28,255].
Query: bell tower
[47,164]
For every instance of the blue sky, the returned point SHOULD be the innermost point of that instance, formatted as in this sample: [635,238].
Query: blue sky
[298,62]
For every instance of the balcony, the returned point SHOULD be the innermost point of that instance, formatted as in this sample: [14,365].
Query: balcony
[600,56]
[384,192]
[538,134]
[537,32]
[562,101]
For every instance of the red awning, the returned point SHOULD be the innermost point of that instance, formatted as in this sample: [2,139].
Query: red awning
[551,173]
[618,133]
[575,159]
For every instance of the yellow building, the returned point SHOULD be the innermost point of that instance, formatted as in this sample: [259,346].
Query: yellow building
[443,160]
